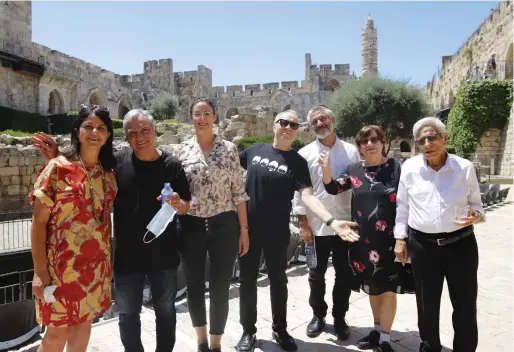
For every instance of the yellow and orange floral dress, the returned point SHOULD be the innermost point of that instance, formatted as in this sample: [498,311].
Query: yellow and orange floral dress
[78,246]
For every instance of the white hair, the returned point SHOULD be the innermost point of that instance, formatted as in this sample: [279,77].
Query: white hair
[429,121]
[286,113]
[318,109]
[133,115]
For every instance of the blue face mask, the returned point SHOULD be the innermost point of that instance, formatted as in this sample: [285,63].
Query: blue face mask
[160,221]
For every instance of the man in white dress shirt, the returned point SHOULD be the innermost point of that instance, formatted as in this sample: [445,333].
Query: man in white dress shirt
[438,201]
[341,154]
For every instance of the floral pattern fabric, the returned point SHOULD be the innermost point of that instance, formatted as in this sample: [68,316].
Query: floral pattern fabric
[216,184]
[78,248]
[372,258]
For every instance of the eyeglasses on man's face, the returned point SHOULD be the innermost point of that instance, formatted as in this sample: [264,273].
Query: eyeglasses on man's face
[431,138]
[284,123]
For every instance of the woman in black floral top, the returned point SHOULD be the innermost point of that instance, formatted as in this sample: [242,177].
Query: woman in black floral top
[374,183]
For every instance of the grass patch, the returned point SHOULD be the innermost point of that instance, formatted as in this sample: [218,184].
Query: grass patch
[17,133]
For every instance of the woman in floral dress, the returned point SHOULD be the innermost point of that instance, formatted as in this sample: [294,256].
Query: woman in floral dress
[71,233]
[374,183]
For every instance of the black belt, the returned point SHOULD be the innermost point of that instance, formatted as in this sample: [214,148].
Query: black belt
[443,238]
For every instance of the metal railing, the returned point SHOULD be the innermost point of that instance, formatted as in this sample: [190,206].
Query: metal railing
[15,231]
[16,287]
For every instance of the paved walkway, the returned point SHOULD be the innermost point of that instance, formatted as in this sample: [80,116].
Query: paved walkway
[495,307]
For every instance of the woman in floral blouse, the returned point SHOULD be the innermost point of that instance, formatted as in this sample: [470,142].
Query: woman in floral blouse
[211,226]
[71,233]
[374,183]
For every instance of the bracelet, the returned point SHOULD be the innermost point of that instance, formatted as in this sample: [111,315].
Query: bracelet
[329,222]
[244,227]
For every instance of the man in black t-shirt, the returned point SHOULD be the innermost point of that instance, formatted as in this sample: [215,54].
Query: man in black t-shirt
[141,174]
[274,173]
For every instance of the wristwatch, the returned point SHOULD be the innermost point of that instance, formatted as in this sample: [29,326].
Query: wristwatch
[329,221]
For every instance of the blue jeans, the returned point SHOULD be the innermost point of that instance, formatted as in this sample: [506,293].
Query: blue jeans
[128,291]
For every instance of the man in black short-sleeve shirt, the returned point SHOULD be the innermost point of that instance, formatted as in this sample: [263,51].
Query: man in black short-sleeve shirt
[274,173]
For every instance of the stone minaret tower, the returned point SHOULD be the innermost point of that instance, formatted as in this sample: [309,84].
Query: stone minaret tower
[369,49]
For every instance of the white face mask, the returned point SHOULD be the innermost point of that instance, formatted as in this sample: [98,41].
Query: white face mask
[160,221]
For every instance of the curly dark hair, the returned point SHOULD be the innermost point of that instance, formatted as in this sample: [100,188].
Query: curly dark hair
[106,155]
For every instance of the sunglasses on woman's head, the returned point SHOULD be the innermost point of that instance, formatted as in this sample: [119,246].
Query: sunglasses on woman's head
[430,138]
[94,107]
[370,139]
[284,123]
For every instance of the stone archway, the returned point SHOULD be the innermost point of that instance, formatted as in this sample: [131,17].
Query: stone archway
[231,112]
[509,63]
[96,97]
[276,94]
[332,85]
[55,103]
[124,106]
[405,147]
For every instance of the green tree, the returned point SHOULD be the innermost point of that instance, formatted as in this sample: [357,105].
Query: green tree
[479,106]
[164,106]
[393,105]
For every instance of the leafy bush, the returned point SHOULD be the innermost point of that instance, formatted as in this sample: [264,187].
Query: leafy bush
[246,142]
[393,105]
[164,106]
[119,132]
[171,121]
[117,123]
[479,106]
[29,122]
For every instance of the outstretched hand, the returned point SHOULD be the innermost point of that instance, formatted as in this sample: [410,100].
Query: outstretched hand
[45,144]
[344,230]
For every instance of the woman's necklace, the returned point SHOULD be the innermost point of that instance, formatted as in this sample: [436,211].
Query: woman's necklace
[93,193]
[372,175]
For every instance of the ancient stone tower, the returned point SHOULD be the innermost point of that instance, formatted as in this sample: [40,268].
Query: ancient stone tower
[16,18]
[369,49]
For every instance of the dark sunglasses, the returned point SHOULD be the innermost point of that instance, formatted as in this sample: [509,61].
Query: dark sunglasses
[285,123]
[93,107]
[370,139]
[430,138]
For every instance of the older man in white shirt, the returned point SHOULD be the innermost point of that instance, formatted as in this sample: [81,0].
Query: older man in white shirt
[341,154]
[438,201]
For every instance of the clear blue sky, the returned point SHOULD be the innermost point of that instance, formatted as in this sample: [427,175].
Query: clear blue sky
[257,42]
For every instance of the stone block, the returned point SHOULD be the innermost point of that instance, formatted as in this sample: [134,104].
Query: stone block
[13,190]
[31,160]
[5,180]
[14,151]
[9,171]
[6,139]
[26,180]
[237,125]
[14,161]
[3,161]
[15,180]
[168,138]
[24,190]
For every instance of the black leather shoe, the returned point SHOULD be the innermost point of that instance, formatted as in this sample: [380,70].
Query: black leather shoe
[315,327]
[342,329]
[285,341]
[370,341]
[216,350]
[204,347]
[246,343]
[384,347]
[425,347]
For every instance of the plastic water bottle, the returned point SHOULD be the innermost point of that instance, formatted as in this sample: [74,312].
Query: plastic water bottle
[310,255]
[166,192]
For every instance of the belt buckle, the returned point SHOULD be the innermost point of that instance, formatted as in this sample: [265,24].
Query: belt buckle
[439,243]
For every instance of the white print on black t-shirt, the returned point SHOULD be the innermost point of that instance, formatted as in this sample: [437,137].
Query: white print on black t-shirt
[271,166]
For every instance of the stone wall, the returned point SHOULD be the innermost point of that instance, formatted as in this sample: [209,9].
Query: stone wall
[494,36]
[18,91]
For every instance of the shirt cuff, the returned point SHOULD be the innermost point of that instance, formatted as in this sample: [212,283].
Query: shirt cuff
[299,210]
[236,199]
[400,231]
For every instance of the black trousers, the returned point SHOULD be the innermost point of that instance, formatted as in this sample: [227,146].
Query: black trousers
[342,287]
[218,236]
[458,264]
[274,242]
